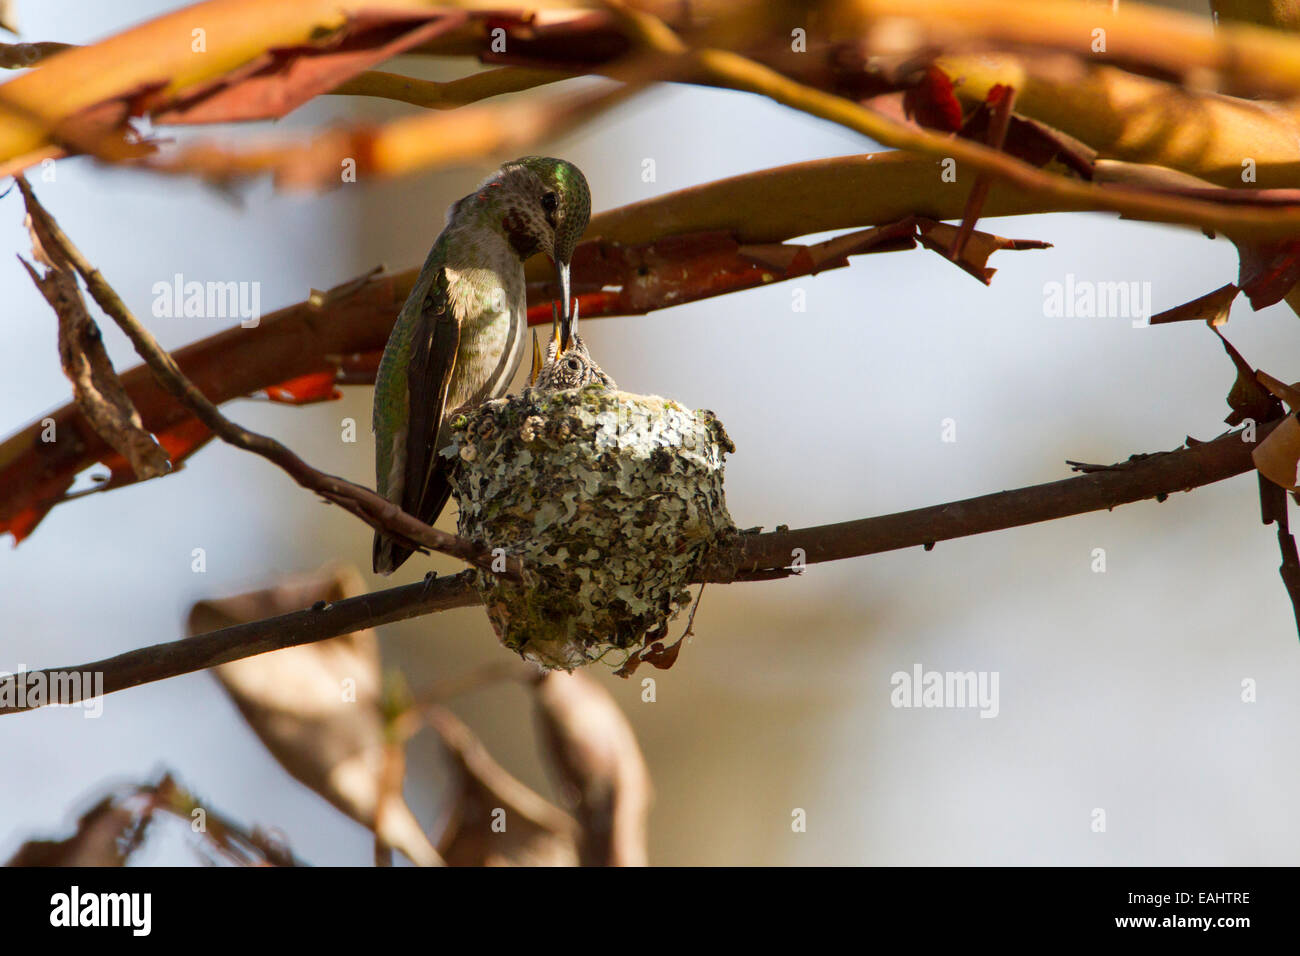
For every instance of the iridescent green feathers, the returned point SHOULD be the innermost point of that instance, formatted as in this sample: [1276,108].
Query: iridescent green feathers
[460,335]
[419,360]
[573,205]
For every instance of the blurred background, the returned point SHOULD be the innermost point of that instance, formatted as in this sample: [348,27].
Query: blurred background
[1118,690]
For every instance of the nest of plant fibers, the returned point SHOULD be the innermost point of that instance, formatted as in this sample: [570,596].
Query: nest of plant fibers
[611,502]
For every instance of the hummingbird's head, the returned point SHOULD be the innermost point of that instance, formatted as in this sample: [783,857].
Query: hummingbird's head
[546,204]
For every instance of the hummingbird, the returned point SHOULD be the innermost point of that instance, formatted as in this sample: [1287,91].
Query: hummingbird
[571,368]
[462,331]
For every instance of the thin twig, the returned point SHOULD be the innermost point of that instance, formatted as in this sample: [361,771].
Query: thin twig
[725,68]
[999,121]
[730,70]
[755,557]
[239,641]
[1273,510]
[690,621]
[453,93]
[416,715]
[20,56]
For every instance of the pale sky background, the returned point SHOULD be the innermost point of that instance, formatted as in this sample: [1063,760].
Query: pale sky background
[1118,691]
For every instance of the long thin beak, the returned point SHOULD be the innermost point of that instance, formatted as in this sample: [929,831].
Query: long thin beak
[538,361]
[568,317]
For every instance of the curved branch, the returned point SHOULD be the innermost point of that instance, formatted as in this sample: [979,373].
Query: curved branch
[453,93]
[1139,119]
[174,658]
[755,557]
[1244,55]
[1141,477]
[725,68]
[395,148]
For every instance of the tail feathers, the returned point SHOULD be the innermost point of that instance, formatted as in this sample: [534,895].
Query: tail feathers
[388,554]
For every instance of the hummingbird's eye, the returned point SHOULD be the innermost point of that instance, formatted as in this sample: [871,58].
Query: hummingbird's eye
[550,202]
[574,364]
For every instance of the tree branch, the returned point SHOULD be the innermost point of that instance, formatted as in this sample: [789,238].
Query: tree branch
[453,93]
[317,623]
[724,68]
[1141,477]
[754,557]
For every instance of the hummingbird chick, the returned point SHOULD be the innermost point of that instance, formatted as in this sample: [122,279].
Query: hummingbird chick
[461,334]
[574,368]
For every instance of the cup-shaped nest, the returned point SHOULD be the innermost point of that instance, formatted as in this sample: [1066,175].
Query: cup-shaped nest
[611,502]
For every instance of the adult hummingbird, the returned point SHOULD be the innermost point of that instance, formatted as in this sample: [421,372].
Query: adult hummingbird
[461,333]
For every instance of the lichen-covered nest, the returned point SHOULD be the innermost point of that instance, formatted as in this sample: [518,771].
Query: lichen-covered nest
[610,500]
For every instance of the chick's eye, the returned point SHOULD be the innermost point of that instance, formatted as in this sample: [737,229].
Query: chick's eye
[550,202]
[574,364]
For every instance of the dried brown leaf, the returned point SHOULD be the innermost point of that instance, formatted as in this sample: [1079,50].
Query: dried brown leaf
[107,834]
[1268,269]
[930,101]
[282,79]
[601,767]
[1277,456]
[998,106]
[95,386]
[1247,398]
[1035,142]
[495,820]
[1213,307]
[974,257]
[1288,393]
[318,708]
[231,842]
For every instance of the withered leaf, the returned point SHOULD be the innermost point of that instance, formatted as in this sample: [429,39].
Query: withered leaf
[999,104]
[95,386]
[1247,397]
[495,820]
[1268,270]
[661,656]
[629,666]
[940,236]
[318,708]
[601,767]
[107,834]
[233,843]
[931,102]
[1288,393]
[1276,457]
[282,79]
[1034,142]
[1213,307]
